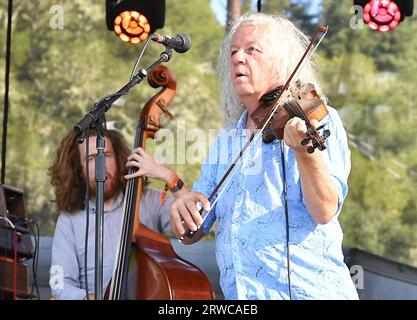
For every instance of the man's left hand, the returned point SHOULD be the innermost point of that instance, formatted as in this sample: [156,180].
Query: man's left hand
[295,131]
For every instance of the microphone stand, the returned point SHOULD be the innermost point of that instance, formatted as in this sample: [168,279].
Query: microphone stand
[100,178]
[95,119]
[101,107]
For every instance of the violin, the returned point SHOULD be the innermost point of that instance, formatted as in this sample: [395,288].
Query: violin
[147,266]
[301,100]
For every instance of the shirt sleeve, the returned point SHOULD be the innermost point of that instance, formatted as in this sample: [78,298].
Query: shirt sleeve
[65,275]
[153,214]
[163,213]
[337,156]
[208,181]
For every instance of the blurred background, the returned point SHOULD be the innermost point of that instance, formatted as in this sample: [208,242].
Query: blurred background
[59,68]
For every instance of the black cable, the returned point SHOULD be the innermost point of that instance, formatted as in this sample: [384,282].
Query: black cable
[287,224]
[35,259]
[123,93]
[126,90]
[6,91]
[32,233]
[87,208]
[37,256]
[139,57]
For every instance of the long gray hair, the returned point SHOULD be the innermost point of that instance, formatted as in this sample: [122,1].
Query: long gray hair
[288,44]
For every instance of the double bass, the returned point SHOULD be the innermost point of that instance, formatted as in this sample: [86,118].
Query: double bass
[147,266]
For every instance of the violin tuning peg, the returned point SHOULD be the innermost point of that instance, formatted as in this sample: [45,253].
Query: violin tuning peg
[305,141]
[310,149]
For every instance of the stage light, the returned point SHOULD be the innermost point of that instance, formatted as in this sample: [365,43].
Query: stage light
[381,15]
[134,20]
[384,15]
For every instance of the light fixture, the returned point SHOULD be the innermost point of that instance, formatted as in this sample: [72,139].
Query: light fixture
[134,20]
[384,15]
[381,15]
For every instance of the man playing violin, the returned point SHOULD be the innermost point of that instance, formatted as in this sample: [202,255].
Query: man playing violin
[69,180]
[277,229]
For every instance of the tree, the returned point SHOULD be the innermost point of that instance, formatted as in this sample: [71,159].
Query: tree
[58,74]
[298,11]
[233,12]
[369,76]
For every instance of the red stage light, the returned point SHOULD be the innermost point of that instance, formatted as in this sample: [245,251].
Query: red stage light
[381,15]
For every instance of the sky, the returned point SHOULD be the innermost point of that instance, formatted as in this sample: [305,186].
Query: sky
[219,8]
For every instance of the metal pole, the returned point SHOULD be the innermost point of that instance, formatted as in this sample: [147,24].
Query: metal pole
[6,91]
[100,177]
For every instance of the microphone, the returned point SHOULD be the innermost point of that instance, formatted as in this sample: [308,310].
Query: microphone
[180,42]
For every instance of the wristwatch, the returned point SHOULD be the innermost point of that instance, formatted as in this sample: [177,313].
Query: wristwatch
[177,186]
[174,186]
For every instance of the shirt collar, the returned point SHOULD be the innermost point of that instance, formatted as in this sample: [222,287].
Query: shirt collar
[116,204]
[241,123]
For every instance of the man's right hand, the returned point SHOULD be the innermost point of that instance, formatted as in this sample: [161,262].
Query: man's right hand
[184,212]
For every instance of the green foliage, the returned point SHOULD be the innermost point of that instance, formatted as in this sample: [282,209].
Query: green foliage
[57,75]
[297,11]
[370,77]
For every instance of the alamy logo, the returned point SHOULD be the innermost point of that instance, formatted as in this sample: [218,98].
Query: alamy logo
[356,272]
[57,20]
[356,21]
[56,280]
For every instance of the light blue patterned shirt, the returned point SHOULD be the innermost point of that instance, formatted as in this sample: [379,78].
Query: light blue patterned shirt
[250,232]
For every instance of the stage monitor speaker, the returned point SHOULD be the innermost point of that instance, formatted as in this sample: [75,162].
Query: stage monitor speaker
[7,271]
[12,208]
